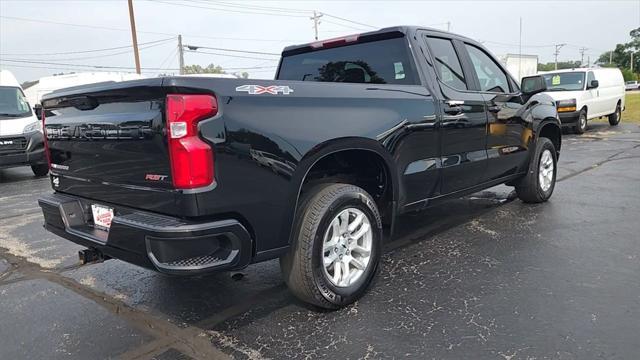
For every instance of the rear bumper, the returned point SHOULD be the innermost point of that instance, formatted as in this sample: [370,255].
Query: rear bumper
[569,118]
[30,154]
[166,244]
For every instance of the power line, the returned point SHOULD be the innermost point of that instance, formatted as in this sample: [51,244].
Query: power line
[229,55]
[79,65]
[228,10]
[516,45]
[196,47]
[254,7]
[41,21]
[343,25]
[55,68]
[101,56]
[172,55]
[347,20]
[86,51]
[150,69]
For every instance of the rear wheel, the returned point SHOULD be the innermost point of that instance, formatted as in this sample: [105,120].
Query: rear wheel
[40,169]
[537,186]
[614,119]
[336,249]
[581,126]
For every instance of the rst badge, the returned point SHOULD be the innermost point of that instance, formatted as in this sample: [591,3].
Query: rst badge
[258,89]
[155,177]
[55,181]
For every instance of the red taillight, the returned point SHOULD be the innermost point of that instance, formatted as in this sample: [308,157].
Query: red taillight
[334,42]
[45,141]
[191,158]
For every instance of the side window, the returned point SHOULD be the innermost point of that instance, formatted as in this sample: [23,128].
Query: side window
[447,63]
[490,75]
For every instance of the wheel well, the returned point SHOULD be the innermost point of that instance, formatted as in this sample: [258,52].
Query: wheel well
[363,168]
[585,108]
[553,133]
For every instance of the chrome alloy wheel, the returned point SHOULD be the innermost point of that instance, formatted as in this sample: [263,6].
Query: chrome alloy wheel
[545,172]
[346,249]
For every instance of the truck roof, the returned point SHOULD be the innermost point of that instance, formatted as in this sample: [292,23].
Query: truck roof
[382,33]
[600,69]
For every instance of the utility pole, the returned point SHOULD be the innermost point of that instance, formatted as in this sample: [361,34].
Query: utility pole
[557,52]
[180,55]
[631,66]
[520,52]
[448,26]
[316,21]
[134,37]
[582,50]
[610,56]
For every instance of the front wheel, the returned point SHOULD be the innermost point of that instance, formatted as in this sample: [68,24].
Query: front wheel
[614,119]
[336,249]
[40,169]
[538,184]
[581,126]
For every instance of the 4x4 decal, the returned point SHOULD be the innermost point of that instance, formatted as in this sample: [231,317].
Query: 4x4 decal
[258,89]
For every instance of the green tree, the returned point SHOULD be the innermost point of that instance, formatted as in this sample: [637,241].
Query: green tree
[210,69]
[629,75]
[561,65]
[621,56]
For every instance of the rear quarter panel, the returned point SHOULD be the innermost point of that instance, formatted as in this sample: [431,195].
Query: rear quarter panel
[265,144]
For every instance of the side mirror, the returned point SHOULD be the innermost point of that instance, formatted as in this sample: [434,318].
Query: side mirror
[37,108]
[532,85]
[593,84]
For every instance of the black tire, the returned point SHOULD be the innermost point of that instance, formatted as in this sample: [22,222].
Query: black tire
[614,119]
[529,188]
[303,266]
[40,169]
[581,126]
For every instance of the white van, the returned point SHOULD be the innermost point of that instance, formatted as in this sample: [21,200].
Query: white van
[584,94]
[21,140]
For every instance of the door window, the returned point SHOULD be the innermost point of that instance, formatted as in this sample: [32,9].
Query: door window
[447,63]
[489,74]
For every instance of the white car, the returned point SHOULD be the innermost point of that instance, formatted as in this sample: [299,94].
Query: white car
[632,85]
[584,94]
[21,139]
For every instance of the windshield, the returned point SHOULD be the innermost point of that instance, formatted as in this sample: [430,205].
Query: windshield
[13,103]
[569,81]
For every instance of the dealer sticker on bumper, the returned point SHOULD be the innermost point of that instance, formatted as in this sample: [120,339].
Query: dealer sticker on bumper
[102,216]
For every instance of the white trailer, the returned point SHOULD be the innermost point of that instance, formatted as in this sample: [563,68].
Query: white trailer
[521,65]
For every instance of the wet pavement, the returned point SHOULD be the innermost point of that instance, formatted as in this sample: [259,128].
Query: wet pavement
[482,277]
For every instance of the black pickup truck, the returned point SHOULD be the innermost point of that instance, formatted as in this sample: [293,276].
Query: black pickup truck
[191,175]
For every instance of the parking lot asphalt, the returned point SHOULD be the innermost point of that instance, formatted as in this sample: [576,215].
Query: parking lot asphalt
[482,277]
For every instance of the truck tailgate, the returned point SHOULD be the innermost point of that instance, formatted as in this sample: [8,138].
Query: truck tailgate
[107,142]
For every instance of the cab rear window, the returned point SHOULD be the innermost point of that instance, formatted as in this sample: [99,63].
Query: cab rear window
[378,62]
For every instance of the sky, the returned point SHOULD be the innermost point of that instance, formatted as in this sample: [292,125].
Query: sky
[39,38]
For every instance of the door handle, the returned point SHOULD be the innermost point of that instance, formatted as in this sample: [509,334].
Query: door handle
[454,107]
[494,108]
